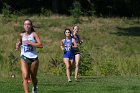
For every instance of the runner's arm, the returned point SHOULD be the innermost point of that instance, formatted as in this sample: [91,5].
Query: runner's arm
[74,43]
[19,42]
[62,45]
[37,44]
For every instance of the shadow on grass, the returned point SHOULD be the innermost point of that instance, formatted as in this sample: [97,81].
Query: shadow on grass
[89,78]
[131,31]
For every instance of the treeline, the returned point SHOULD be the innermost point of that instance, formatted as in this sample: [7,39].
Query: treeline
[127,8]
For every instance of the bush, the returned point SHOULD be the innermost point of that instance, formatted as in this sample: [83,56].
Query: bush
[76,12]
[56,66]
[46,12]
[6,10]
[108,68]
[13,62]
[85,61]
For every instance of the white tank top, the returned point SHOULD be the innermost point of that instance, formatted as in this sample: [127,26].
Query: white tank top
[26,49]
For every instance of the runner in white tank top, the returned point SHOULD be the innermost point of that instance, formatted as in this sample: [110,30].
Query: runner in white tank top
[26,49]
[29,41]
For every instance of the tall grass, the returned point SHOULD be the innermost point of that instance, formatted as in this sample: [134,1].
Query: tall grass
[112,43]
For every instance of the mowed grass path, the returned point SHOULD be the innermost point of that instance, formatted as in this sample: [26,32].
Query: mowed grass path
[59,84]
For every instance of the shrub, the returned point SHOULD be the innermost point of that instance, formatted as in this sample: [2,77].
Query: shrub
[46,12]
[85,61]
[6,10]
[76,12]
[108,68]
[13,62]
[56,66]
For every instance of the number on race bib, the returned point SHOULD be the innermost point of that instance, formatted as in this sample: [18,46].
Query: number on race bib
[67,48]
[27,48]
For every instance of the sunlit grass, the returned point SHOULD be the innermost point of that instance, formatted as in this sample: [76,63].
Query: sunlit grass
[53,84]
[109,41]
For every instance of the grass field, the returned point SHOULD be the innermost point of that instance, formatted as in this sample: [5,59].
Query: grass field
[57,84]
[112,43]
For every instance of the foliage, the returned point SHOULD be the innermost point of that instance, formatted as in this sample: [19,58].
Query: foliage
[56,66]
[46,12]
[92,11]
[76,12]
[6,10]
[6,13]
[2,67]
[13,62]
[110,45]
[1,57]
[108,68]
[85,61]
[105,8]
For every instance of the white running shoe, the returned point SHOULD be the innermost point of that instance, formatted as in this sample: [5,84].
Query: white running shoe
[69,80]
[34,90]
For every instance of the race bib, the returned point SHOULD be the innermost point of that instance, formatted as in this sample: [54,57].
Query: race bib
[27,48]
[68,48]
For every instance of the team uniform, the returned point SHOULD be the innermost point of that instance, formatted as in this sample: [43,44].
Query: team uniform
[77,39]
[68,49]
[28,52]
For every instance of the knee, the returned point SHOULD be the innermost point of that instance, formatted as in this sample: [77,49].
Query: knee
[77,65]
[25,77]
[67,67]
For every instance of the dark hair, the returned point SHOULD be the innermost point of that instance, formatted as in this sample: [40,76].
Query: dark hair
[32,27]
[67,29]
